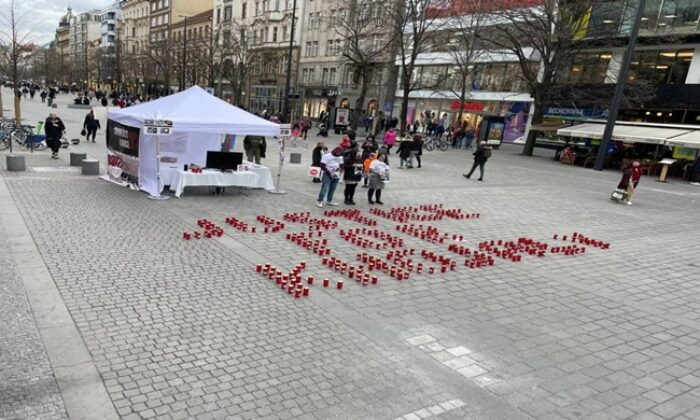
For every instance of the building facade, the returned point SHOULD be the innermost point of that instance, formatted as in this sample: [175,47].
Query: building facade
[133,38]
[62,48]
[84,49]
[110,26]
[162,53]
[192,37]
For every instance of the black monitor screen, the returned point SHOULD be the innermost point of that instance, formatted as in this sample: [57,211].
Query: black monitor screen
[224,160]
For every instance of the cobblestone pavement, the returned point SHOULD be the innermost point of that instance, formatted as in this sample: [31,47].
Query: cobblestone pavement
[27,386]
[187,329]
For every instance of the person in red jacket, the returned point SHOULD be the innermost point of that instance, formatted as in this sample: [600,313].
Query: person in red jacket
[630,180]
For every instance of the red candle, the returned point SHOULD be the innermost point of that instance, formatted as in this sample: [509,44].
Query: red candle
[326,282]
[339,285]
[305,292]
[258,268]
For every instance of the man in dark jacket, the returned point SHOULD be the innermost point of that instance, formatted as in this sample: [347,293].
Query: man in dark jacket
[53,128]
[695,174]
[254,148]
[482,154]
[91,125]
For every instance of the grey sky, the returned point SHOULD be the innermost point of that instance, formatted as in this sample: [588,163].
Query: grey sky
[39,18]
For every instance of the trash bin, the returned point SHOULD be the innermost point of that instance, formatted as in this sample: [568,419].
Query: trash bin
[91,167]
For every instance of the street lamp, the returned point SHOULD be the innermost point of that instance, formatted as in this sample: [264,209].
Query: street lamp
[184,54]
[288,84]
[619,89]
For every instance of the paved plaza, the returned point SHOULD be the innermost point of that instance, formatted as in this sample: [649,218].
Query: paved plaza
[106,312]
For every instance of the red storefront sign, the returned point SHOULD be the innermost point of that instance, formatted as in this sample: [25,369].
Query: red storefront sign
[468,106]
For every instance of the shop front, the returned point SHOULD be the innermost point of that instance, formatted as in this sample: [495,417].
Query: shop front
[318,99]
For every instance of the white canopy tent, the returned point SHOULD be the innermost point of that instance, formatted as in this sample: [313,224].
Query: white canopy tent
[199,121]
[689,140]
[629,133]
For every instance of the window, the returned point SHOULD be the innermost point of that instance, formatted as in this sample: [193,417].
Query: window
[315,53]
[227,38]
[274,34]
[666,66]
[165,19]
[227,13]
[284,33]
[277,5]
[243,10]
[329,48]
[312,76]
[133,32]
[257,8]
[338,47]
[331,77]
[308,50]
[218,15]
[165,3]
[590,68]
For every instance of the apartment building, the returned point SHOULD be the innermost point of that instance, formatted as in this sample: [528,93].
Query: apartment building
[162,55]
[110,25]
[192,37]
[62,47]
[134,37]
[83,45]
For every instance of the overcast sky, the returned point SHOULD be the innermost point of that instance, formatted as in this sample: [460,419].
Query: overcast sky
[39,18]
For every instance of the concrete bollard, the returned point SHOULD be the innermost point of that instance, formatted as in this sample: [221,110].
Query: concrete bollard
[91,167]
[295,158]
[76,159]
[15,163]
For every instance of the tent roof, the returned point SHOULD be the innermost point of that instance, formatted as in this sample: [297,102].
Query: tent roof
[194,110]
[689,140]
[630,133]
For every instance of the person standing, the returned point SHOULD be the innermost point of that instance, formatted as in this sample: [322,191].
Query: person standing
[254,147]
[43,96]
[482,154]
[468,137]
[404,152]
[417,148]
[630,180]
[104,101]
[378,176]
[352,172]
[90,126]
[53,129]
[52,96]
[316,155]
[331,166]
[695,177]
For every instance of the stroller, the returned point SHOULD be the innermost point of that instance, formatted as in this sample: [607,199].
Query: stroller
[322,130]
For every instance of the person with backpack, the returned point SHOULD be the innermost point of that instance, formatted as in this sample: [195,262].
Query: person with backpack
[482,154]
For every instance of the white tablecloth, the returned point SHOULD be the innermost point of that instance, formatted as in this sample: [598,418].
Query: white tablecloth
[182,179]
[171,175]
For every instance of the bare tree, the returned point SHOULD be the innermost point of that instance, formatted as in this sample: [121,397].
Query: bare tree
[163,59]
[13,46]
[544,39]
[413,23]
[464,29]
[367,43]
[233,59]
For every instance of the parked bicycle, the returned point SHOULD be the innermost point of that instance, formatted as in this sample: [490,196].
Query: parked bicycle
[433,143]
[23,135]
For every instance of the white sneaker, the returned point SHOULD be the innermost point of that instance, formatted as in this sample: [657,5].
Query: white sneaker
[319,204]
[695,183]
[332,204]
[629,203]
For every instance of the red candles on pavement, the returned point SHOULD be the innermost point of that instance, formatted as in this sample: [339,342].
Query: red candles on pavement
[326,282]
[258,268]
[339,285]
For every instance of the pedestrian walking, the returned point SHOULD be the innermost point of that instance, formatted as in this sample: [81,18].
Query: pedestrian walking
[378,177]
[695,172]
[630,180]
[316,155]
[43,96]
[53,129]
[390,139]
[331,167]
[90,126]
[482,154]
[254,147]
[104,102]
[352,172]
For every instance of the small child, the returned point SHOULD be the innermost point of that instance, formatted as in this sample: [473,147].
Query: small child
[365,168]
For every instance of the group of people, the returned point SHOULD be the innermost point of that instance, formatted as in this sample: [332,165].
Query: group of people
[353,164]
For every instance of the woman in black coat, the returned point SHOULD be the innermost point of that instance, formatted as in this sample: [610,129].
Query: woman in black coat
[352,172]
[417,148]
[54,128]
[404,153]
[316,155]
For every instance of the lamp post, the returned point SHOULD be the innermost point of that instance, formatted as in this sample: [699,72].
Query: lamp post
[288,84]
[184,55]
[619,89]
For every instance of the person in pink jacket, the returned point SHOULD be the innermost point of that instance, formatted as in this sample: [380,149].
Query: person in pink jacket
[390,139]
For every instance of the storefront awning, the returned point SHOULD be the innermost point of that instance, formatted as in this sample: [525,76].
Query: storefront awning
[547,127]
[690,140]
[626,133]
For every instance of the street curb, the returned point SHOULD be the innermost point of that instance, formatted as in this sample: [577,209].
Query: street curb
[82,390]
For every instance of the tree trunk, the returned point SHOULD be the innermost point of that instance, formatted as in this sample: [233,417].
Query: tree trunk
[537,118]
[361,100]
[462,100]
[18,110]
[2,112]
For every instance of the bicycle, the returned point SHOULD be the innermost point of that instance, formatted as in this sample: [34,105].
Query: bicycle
[23,135]
[432,143]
